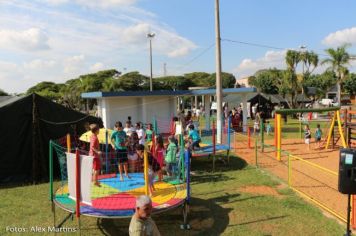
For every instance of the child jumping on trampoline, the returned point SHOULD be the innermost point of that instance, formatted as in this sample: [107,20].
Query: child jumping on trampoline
[170,157]
[193,137]
[307,135]
[153,167]
[119,143]
[149,135]
[95,152]
[157,152]
[318,134]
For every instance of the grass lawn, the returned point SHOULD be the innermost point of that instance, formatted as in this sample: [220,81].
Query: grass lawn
[235,200]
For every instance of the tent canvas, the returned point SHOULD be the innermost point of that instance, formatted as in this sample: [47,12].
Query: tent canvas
[26,127]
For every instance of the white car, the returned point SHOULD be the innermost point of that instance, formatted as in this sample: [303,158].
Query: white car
[328,102]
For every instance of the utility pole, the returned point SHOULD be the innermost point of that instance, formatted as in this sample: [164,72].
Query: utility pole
[150,37]
[164,69]
[219,112]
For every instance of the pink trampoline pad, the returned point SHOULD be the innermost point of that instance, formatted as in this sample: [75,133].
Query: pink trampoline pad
[119,201]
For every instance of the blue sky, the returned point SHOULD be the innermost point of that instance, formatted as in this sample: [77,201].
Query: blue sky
[56,40]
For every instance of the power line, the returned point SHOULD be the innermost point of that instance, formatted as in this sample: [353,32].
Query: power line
[265,46]
[196,57]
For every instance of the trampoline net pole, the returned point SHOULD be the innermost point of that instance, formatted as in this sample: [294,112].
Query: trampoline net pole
[50,171]
[69,148]
[145,164]
[77,183]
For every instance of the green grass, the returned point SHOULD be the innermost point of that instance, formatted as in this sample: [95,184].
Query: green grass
[218,207]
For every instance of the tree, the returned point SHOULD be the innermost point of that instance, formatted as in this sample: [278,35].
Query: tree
[3,93]
[73,88]
[174,83]
[322,82]
[200,79]
[310,61]
[292,60]
[338,60]
[264,81]
[228,80]
[350,84]
[133,81]
[47,89]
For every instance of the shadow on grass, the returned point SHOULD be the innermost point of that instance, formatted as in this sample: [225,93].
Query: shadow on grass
[206,217]
[202,169]
[205,164]
[260,220]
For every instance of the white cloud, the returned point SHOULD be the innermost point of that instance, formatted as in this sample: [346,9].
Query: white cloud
[341,37]
[97,67]
[39,64]
[30,40]
[135,34]
[164,42]
[74,64]
[270,60]
[81,40]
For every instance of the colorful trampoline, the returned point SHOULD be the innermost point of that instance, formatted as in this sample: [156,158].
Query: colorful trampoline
[206,150]
[117,199]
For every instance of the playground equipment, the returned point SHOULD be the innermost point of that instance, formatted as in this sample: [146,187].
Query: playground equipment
[78,196]
[208,146]
[350,127]
[335,121]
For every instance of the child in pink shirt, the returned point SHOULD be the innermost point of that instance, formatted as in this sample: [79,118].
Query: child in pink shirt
[95,152]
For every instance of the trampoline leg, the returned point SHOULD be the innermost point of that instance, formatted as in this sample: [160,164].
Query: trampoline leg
[79,231]
[185,225]
[70,215]
[54,214]
[213,163]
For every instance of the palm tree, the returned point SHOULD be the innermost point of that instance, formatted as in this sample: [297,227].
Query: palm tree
[338,60]
[292,60]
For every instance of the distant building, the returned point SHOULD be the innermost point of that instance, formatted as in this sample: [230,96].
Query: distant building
[243,82]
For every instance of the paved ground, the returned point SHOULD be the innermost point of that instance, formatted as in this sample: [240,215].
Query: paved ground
[317,183]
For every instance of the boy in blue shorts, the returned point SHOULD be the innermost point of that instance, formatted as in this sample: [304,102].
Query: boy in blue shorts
[119,143]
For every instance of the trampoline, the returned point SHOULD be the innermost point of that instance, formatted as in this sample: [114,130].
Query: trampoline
[117,199]
[114,198]
[206,150]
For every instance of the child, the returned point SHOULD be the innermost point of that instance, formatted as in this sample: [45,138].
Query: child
[318,134]
[95,152]
[128,128]
[153,167]
[119,142]
[132,155]
[157,152]
[141,133]
[149,135]
[256,124]
[193,137]
[268,128]
[170,158]
[307,135]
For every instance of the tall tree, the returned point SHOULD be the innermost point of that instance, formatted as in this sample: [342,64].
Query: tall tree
[310,61]
[3,93]
[265,81]
[47,89]
[350,84]
[338,60]
[228,80]
[198,78]
[292,60]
